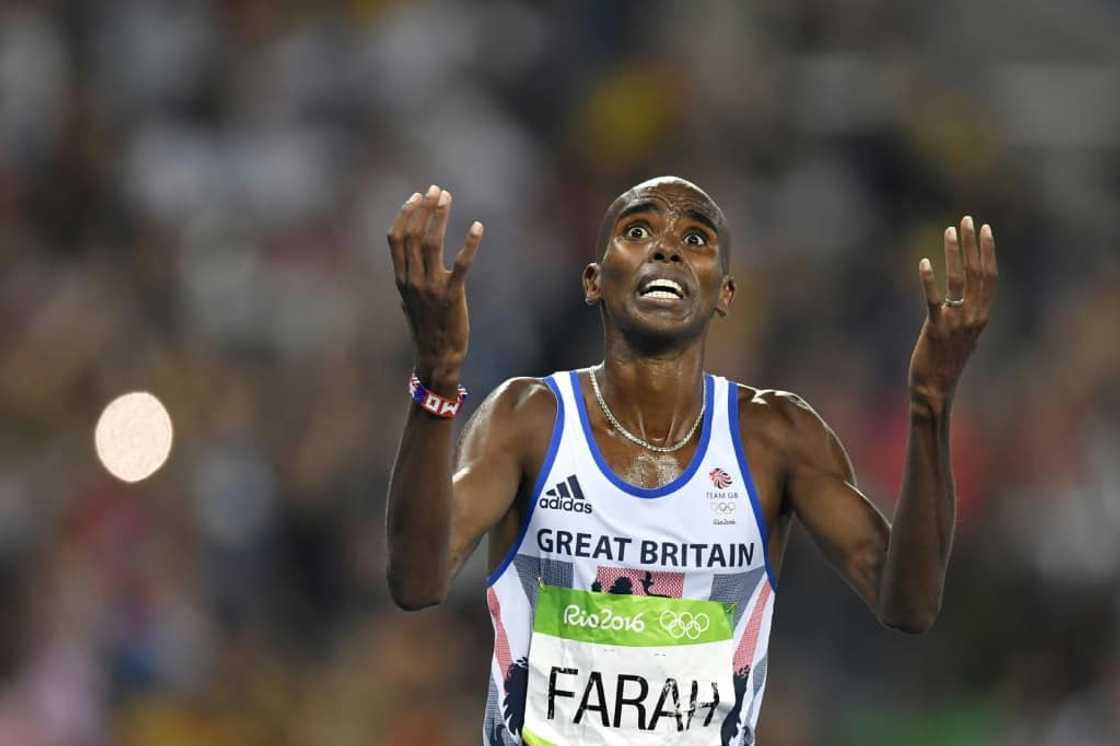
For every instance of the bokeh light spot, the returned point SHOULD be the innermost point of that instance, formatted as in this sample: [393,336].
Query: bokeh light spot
[133,436]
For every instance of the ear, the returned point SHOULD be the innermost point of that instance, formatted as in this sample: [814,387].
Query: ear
[591,290]
[726,296]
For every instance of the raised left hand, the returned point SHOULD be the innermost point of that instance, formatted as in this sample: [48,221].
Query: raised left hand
[952,327]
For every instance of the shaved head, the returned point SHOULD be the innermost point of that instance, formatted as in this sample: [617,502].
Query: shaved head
[659,188]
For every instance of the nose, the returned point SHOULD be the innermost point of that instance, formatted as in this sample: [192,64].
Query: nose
[666,250]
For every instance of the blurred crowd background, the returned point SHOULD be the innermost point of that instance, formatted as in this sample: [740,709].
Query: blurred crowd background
[193,201]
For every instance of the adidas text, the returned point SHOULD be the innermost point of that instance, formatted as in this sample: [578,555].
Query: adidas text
[566,495]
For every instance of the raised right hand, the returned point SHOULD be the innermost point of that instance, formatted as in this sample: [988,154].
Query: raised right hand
[433,297]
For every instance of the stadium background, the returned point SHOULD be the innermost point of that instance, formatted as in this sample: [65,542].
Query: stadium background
[193,200]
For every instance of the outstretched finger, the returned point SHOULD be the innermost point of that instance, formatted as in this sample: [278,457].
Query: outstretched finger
[954,267]
[466,254]
[988,263]
[396,239]
[971,250]
[433,236]
[929,286]
[414,235]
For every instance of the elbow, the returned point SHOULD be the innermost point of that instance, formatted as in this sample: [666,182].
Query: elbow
[415,603]
[911,608]
[918,626]
[411,596]
[910,623]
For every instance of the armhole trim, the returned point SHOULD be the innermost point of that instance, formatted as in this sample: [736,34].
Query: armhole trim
[745,470]
[546,468]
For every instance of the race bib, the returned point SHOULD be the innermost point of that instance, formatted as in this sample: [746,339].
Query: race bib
[618,669]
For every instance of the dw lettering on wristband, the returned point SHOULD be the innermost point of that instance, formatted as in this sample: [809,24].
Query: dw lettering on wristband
[432,402]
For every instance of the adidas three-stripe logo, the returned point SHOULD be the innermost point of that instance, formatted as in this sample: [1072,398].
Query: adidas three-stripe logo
[566,495]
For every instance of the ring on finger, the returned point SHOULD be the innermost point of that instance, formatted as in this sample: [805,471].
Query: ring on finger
[954,302]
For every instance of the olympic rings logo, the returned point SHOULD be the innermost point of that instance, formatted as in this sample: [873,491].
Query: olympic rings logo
[684,624]
[722,506]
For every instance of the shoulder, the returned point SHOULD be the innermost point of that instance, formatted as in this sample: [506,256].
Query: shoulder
[521,397]
[517,411]
[775,413]
[784,421]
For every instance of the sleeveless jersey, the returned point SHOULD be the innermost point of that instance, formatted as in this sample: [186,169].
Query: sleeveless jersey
[701,539]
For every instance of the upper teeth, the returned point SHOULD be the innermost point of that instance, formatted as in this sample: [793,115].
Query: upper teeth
[659,287]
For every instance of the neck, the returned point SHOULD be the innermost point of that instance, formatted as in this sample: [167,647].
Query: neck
[657,395]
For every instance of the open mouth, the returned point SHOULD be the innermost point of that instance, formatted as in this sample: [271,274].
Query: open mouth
[662,289]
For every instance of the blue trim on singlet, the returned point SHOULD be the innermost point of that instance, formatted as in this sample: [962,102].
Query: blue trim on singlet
[633,489]
[546,467]
[745,470]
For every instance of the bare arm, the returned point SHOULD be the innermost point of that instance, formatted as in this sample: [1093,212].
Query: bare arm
[433,520]
[900,570]
[436,520]
[897,570]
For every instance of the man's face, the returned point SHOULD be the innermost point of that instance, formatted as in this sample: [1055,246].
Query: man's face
[661,274]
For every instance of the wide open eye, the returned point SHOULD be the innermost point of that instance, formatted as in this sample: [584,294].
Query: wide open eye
[695,238]
[637,233]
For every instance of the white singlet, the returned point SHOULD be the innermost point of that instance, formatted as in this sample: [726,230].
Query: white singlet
[627,615]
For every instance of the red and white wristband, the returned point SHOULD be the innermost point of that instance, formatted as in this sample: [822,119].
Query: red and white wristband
[432,402]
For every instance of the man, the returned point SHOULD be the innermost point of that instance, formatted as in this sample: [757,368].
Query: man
[638,510]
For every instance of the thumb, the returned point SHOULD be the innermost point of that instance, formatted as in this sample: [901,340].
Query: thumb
[466,254]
